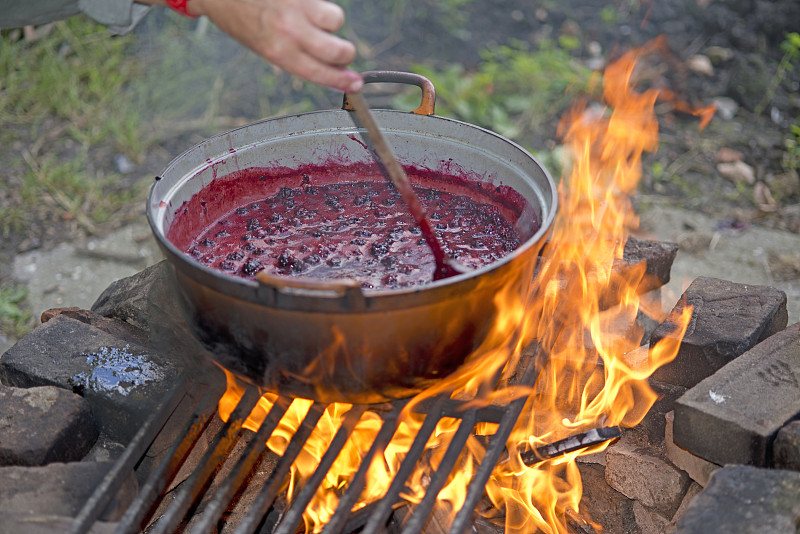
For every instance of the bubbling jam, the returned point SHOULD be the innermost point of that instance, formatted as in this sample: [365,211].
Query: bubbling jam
[359,230]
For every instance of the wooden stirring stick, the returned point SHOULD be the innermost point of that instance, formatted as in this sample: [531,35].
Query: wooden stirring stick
[445,266]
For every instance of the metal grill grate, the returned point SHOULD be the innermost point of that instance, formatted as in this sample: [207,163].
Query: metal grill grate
[263,514]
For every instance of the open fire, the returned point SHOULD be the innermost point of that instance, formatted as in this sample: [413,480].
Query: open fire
[580,319]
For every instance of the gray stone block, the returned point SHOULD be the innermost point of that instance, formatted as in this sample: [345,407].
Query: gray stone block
[123,382]
[42,425]
[698,469]
[143,300]
[727,320]
[786,449]
[60,489]
[733,416]
[745,500]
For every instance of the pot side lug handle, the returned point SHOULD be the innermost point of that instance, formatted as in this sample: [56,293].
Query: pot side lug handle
[428,103]
[281,290]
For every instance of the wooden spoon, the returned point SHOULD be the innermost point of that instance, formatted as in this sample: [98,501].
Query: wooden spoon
[445,266]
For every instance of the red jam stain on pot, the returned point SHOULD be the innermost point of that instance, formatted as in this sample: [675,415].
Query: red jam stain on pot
[343,221]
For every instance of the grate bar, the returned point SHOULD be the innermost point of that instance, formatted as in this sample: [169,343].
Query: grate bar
[223,443]
[265,498]
[339,522]
[294,515]
[254,449]
[131,522]
[383,508]
[477,487]
[423,510]
[101,496]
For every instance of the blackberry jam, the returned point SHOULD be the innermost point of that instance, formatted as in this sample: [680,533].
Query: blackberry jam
[358,230]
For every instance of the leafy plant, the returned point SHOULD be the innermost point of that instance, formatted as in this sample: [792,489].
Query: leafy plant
[513,89]
[791,158]
[791,53]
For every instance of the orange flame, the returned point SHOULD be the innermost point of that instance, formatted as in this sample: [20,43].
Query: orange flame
[582,315]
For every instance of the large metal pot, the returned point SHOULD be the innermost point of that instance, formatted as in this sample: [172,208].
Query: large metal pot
[333,341]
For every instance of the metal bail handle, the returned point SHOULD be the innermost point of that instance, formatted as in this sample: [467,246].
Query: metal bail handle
[428,103]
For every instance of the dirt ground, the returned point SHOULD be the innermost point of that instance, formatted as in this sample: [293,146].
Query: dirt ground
[728,194]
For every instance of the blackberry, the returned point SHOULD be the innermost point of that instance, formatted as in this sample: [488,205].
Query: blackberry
[388,261]
[241,211]
[251,267]
[235,256]
[380,248]
[226,265]
[206,242]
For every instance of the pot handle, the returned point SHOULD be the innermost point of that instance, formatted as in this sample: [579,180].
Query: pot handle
[428,103]
[276,289]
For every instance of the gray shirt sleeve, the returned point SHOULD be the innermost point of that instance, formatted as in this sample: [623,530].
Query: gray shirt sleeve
[119,15]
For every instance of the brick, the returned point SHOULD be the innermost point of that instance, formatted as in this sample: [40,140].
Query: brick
[786,449]
[123,382]
[11,523]
[697,468]
[640,473]
[59,489]
[745,500]
[603,504]
[733,416]
[44,424]
[649,521]
[727,320]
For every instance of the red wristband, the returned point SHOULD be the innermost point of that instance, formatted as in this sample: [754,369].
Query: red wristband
[181,6]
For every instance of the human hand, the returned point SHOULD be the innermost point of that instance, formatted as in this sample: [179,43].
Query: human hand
[295,35]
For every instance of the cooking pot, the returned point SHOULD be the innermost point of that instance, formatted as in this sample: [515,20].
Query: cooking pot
[333,340]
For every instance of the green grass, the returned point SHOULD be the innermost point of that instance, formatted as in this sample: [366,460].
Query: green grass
[15,320]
